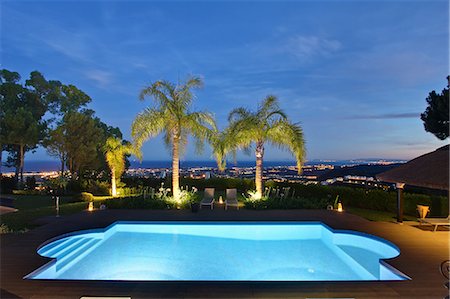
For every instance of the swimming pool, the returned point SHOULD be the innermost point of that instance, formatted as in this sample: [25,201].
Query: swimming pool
[218,251]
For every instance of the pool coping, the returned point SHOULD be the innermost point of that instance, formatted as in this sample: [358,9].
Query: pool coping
[53,261]
[18,255]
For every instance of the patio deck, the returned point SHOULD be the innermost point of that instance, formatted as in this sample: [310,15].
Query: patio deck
[421,254]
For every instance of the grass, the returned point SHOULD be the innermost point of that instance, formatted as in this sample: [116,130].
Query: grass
[33,207]
[29,202]
[24,220]
[373,215]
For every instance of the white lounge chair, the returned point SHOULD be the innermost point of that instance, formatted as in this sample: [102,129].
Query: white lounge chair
[435,221]
[208,198]
[231,199]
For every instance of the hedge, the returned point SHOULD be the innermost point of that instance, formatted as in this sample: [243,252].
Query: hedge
[305,196]
[136,202]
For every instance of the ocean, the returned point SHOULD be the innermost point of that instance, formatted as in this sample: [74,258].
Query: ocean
[31,166]
[52,165]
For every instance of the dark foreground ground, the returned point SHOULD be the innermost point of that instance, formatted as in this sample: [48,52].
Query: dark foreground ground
[422,251]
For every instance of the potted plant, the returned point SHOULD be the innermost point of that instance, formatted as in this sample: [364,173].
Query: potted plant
[423,211]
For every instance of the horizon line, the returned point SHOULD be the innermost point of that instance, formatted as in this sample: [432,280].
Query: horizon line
[230,161]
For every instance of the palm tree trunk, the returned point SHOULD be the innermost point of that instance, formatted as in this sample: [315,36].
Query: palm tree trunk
[113,182]
[175,167]
[259,169]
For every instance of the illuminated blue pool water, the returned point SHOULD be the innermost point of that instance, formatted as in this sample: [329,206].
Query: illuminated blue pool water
[213,251]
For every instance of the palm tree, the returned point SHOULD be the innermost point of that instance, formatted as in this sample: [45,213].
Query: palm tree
[170,115]
[222,143]
[268,124]
[115,151]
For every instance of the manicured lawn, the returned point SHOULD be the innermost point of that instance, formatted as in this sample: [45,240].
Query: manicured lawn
[33,207]
[24,220]
[373,215]
[28,202]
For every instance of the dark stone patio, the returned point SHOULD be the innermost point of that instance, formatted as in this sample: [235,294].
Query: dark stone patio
[422,252]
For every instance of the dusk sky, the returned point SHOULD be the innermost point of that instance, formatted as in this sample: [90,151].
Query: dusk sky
[354,74]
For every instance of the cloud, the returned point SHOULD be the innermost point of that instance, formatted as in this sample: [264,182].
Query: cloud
[70,45]
[101,78]
[385,116]
[305,47]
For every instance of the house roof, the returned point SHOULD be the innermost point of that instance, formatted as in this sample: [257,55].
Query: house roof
[429,171]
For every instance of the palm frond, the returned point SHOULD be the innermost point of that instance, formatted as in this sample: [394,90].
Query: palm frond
[115,151]
[276,114]
[239,113]
[148,123]
[201,125]
[246,130]
[183,140]
[167,138]
[162,93]
[288,136]
[183,93]
[222,143]
[269,104]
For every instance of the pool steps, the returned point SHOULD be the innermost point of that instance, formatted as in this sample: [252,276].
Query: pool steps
[69,251]
[85,247]
[46,248]
[61,248]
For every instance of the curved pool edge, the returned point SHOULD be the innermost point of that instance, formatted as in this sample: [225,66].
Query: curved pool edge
[335,232]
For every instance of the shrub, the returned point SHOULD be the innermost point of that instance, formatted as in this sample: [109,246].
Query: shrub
[135,203]
[85,196]
[7,184]
[4,229]
[57,185]
[73,186]
[126,191]
[438,204]
[97,187]
[138,182]
[288,203]
[300,196]
[186,199]
[26,192]
[318,196]
[30,183]
[242,185]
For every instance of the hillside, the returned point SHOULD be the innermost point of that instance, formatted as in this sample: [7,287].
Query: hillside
[358,170]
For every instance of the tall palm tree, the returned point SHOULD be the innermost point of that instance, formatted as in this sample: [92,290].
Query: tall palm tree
[268,124]
[115,151]
[171,116]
